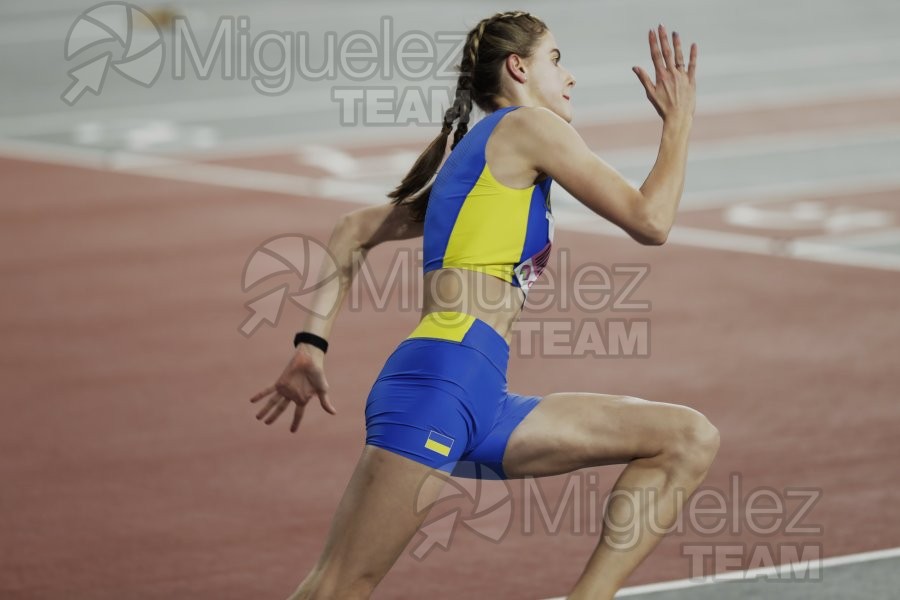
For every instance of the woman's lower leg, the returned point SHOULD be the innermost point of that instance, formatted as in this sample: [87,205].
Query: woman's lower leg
[643,505]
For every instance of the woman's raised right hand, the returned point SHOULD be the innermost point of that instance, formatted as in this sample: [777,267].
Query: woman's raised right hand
[673,95]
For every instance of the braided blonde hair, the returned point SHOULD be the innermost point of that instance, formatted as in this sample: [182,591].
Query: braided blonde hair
[487,46]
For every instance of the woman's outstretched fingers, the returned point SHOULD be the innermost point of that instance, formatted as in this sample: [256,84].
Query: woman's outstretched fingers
[655,55]
[279,408]
[298,414]
[666,50]
[263,394]
[644,78]
[320,385]
[679,56]
[265,409]
[326,403]
[693,66]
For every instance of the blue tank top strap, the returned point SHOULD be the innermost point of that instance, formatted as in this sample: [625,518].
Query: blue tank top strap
[483,128]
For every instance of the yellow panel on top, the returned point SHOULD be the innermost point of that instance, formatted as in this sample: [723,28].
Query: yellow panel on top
[490,228]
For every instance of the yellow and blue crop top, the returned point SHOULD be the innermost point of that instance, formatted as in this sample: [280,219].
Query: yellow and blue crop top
[474,222]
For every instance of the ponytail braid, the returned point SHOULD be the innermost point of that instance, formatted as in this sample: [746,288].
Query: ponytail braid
[487,46]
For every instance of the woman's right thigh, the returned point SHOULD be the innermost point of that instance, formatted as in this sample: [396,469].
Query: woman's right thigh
[375,520]
[569,431]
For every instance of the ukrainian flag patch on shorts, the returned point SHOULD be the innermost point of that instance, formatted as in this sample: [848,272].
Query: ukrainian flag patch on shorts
[439,443]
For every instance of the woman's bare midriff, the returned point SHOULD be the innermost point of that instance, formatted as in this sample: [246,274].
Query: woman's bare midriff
[484,296]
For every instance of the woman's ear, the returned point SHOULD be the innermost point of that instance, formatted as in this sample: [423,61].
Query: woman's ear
[515,66]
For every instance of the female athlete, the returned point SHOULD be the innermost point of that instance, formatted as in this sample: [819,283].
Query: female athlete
[441,398]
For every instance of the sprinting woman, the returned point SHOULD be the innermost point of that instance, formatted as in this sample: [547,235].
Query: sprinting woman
[441,399]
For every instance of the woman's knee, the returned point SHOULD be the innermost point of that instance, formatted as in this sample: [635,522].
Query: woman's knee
[693,440]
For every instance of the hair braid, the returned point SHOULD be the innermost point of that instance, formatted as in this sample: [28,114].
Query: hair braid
[487,46]
[462,105]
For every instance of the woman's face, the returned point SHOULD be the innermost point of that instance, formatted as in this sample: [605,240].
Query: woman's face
[550,84]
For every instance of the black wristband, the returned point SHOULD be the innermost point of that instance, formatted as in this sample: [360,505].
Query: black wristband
[311,338]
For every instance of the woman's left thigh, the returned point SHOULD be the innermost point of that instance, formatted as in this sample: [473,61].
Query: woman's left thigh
[569,431]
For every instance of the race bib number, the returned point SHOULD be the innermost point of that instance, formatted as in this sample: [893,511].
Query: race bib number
[529,271]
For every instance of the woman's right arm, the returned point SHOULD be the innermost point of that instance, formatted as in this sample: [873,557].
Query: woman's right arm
[354,234]
[646,213]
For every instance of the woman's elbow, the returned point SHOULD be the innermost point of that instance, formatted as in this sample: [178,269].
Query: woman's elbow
[656,237]
[348,229]
[652,232]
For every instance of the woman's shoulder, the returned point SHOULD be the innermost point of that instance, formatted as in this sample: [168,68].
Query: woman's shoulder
[530,125]
[535,117]
[515,141]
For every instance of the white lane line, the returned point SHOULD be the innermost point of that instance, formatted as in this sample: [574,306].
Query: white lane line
[841,255]
[777,571]
[747,243]
[613,114]
[792,191]
[398,162]
[568,217]
[63,122]
[75,156]
[205,109]
[766,144]
[882,237]
[808,216]
[607,114]
[360,137]
[825,187]
[261,181]
[731,147]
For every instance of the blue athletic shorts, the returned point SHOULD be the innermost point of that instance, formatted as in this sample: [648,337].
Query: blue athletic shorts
[441,398]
